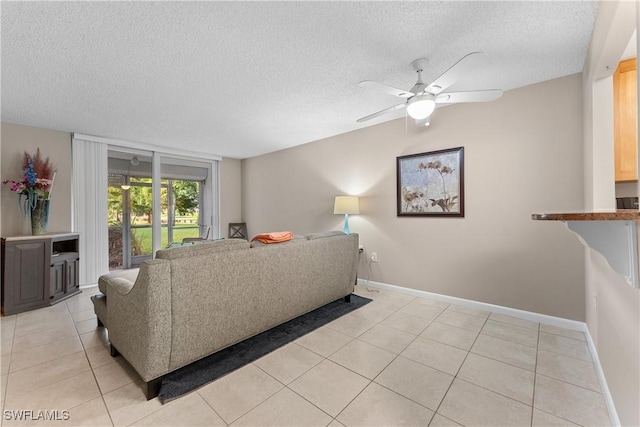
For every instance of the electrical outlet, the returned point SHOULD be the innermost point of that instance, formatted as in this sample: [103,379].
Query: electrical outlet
[374,256]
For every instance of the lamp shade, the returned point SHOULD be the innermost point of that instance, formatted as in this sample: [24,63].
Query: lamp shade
[421,106]
[346,205]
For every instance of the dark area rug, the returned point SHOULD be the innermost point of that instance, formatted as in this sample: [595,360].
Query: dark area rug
[212,367]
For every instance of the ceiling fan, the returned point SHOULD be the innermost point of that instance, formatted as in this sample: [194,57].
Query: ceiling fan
[423,98]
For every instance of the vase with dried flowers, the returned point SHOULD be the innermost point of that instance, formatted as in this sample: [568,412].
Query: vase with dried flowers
[34,190]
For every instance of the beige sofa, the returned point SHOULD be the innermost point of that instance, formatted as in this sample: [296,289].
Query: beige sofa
[193,301]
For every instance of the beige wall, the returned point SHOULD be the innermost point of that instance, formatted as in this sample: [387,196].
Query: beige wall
[230,193]
[17,139]
[523,154]
[613,318]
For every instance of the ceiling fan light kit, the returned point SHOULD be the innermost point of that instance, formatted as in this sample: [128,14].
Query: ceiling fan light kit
[423,99]
[421,106]
[135,162]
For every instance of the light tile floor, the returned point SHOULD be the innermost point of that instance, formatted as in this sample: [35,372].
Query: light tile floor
[399,360]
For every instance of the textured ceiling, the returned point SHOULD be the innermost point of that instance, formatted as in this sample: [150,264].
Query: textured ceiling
[239,79]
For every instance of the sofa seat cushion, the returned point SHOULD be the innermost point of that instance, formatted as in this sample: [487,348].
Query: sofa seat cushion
[117,277]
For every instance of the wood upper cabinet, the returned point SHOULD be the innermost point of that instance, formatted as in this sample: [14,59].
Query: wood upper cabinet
[625,121]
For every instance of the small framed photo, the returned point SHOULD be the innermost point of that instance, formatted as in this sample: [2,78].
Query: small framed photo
[431,184]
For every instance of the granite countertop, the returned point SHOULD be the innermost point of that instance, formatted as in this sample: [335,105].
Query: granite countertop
[618,215]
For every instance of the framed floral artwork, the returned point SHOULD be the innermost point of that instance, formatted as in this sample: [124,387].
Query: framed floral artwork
[431,184]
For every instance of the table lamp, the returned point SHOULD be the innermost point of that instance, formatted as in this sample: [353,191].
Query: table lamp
[346,205]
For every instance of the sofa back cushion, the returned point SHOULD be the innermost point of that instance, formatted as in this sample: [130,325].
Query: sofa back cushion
[333,233]
[206,248]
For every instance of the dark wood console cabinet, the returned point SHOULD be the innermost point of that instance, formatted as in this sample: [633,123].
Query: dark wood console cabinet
[38,271]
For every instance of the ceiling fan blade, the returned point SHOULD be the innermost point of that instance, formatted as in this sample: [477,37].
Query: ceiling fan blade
[379,113]
[458,70]
[368,84]
[470,96]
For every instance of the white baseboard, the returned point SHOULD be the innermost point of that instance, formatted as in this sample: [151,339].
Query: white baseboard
[573,325]
[608,399]
[560,322]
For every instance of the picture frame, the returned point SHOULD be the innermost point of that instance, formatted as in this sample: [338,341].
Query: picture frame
[431,183]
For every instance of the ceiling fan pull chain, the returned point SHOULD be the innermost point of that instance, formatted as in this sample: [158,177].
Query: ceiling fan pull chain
[406,123]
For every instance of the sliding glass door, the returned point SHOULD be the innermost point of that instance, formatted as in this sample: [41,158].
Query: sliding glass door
[185,184]
[153,208]
[130,203]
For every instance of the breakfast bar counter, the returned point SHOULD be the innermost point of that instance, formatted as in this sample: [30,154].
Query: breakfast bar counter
[614,234]
[618,215]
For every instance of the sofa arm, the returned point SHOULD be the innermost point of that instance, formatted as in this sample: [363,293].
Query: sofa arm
[121,285]
[140,319]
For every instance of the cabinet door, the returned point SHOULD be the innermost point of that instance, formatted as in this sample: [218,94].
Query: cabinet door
[625,125]
[57,280]
[72,270]
[26,271]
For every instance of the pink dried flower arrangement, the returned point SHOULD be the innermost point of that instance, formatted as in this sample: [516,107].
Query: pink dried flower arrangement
[36,182]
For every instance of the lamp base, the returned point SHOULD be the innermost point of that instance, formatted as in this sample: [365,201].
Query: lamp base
[346,230]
